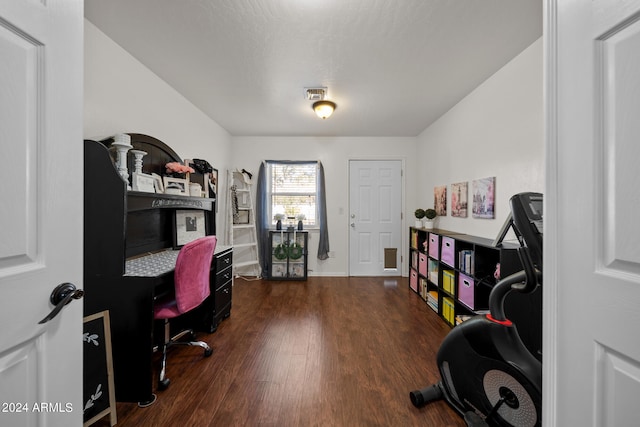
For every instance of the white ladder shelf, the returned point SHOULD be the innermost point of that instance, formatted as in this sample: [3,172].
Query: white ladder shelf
[241,225]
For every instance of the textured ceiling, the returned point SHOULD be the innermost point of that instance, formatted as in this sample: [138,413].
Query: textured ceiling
[392,66]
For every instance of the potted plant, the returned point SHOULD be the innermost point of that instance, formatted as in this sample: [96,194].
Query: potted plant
[419,213]
[279,217]
[430,215]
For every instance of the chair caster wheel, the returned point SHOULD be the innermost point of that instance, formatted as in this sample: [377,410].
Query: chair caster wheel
[208,352]
[164,384]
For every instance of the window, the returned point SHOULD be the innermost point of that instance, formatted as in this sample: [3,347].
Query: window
[292,190]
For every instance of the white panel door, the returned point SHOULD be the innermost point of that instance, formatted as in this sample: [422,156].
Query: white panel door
[375,217]
[41,211]
[592,231]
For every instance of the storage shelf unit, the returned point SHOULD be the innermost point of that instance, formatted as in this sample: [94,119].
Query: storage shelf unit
[454,272]
[288,259]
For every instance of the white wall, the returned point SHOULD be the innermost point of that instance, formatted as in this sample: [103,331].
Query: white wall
[122,95]
[497,130]
[334,153]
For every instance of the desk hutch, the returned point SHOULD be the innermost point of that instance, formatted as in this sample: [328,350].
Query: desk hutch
[121,226]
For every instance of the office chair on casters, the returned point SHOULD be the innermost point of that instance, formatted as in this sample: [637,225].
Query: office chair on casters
[191,279]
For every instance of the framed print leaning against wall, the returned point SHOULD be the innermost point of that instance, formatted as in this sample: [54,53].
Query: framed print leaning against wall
[189,225]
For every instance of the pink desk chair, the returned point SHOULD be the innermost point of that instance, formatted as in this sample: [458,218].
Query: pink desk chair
[191,279]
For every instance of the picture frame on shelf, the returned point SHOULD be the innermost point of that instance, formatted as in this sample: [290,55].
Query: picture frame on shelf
[242,217]
[189,225]
[213,183]
[178,186]
[157,182]
[143,182]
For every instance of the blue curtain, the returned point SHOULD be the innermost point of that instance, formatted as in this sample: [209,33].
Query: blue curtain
[263,223]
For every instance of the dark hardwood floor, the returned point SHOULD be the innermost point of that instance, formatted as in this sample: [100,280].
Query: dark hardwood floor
[331,351]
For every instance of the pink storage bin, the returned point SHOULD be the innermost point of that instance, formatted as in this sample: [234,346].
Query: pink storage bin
[413,280]
[422,264]
[434,245]
[466,291]
[447,254]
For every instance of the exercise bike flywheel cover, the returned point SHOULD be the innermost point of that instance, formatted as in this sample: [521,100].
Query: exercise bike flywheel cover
[524,414]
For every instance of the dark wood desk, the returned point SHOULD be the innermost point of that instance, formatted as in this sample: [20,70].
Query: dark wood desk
[119,225]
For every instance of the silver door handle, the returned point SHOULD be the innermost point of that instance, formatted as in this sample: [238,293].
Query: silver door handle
[61,296]
[353,225]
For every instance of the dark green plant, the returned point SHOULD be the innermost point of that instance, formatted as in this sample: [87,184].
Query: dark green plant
[419,213]
[430,213]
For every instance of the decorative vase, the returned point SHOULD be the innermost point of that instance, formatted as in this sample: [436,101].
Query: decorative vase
[418,223]
[300,225]
[279,225]
[428,224]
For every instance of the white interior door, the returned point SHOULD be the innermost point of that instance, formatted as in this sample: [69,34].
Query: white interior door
[375,217]
[41,210]
[592,232]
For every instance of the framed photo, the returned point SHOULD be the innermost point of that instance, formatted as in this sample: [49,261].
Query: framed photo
[213,184]
[157,183]
[142,182]
[178,186]
[440,200]
[189,225]
[459,199]
[483,197]
[242,217]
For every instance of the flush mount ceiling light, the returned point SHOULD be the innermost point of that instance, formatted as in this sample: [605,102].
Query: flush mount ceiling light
[324,109]
[322,106]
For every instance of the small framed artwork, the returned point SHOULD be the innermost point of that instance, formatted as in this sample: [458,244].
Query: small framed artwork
[242,217]
[142,182]
[483,197]
[157,183]
[213,183]
[440,200]
[189,225]
[178,186]
[459,199]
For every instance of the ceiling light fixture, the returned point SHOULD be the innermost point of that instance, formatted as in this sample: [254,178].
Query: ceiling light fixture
[324,109]
[322,106]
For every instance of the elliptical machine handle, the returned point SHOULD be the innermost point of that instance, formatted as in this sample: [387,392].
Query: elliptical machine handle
[533,275]
[525,281]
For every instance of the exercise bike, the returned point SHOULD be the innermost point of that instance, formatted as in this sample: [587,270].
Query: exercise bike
[487,373]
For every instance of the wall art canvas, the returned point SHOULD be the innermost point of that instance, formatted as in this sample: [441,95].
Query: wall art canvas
[459,193]
[483,197]
[440,200]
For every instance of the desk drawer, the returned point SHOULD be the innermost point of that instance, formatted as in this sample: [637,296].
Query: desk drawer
[224,276]
[224,260]
[223,297]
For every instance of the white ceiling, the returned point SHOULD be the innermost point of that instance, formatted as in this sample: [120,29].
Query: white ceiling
[392,66]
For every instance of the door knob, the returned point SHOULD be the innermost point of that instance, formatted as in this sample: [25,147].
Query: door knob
[61,296]
[353,225]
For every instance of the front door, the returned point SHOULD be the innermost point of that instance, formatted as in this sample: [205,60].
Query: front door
[592,232]
[375,217]
[40,211]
